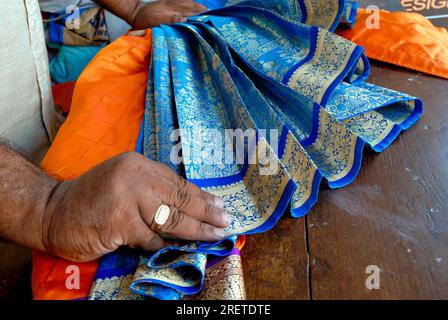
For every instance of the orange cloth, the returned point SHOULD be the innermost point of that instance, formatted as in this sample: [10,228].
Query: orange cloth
[405,39]
[104,121]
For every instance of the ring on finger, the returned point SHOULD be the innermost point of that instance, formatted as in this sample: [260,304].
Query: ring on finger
[162,215]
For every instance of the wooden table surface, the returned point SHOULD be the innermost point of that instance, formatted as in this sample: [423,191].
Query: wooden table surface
[394,216]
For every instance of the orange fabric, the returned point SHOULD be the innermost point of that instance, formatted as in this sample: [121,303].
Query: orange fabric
[240,242]
[405,39]
[104,121]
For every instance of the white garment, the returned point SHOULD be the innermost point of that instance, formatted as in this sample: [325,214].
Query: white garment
[28,119]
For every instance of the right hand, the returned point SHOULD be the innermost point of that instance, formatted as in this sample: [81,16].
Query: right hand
[114,204]
[159,12]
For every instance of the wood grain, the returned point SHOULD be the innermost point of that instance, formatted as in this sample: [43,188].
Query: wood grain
[276,263]
[395,214]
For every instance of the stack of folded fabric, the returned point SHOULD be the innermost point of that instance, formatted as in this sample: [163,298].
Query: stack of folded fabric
[274,67]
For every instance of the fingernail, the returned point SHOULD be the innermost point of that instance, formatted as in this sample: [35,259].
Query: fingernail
[137,33]
[220,233]
[219,203]
[227,218]
[183,20]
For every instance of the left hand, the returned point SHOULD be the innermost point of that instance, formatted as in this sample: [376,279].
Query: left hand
[152,14]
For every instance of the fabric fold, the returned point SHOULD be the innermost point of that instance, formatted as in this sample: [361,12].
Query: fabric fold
[271,76]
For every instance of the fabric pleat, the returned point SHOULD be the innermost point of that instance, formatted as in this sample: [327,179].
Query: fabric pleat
[273,76]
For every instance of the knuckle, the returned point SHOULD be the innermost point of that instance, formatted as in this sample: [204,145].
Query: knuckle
[174,222]
[201,230]
[125,167]
[205,195]
[208,211]
[181,183]
[126,157]
[128,160]
[181,195]
[182,198]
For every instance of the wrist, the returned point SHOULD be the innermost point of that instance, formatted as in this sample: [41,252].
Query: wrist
[133,16]
[36,223]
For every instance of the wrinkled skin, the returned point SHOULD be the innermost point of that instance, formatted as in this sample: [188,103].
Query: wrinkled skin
[114,204]
[164,12]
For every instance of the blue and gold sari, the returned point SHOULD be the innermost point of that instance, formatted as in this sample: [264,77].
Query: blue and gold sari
[273,72]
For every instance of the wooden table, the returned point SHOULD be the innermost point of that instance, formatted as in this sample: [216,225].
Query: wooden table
[394,216]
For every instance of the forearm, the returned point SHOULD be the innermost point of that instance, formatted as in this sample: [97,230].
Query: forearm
[125,9]
[24,193]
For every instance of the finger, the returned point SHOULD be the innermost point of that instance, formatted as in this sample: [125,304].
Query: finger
[147,240]
[197,204]
[199,7]
[190,6]
[158,168]
[202,210]
[182,226]
[196,191]
[186,197]
[190,188]
[177,18]
[179,193]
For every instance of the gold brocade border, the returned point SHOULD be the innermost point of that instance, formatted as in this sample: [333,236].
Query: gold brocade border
[223,281]
[321,54]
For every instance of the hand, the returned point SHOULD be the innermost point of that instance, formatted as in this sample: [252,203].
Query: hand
[164,12]
[114,204]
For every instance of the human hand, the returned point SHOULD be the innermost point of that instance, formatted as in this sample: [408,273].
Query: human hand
[115,203]
[147,15]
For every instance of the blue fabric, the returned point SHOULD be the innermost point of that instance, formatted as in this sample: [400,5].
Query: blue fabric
[273,68]
[348,17]
[70,62]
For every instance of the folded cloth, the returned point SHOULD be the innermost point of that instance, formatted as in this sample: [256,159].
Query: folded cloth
[272,66]
[273,69]
[104,121]
[406,39]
